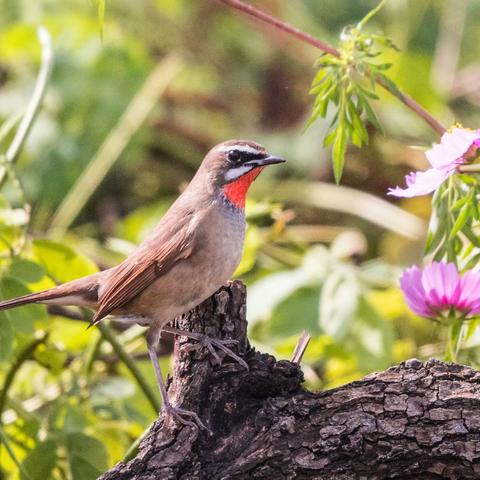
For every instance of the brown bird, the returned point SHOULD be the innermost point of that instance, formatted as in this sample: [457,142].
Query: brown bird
[189,255]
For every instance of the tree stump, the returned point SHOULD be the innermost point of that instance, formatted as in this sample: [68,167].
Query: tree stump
[413,421]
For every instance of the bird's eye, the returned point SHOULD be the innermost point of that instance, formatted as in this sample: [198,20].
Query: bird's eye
[234,155]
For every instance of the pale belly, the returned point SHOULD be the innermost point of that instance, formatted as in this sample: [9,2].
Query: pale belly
[191,281]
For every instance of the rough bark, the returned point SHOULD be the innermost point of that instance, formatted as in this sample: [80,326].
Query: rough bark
[413,421]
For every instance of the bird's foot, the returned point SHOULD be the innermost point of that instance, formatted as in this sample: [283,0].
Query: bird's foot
[185,417]
[212,344]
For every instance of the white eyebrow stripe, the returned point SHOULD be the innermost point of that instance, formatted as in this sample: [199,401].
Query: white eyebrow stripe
[242,148]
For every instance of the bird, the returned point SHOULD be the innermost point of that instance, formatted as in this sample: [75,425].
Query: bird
[193,251]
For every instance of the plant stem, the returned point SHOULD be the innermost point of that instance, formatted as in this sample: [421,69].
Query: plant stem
[281,25]
[131,120]
[23,356]
[347,200]
[92,352]
[108,335]
[325,47]
[474,168]
[371,14]
[456,335]
[35,101]
[11,453]
[131,365]
[133,448]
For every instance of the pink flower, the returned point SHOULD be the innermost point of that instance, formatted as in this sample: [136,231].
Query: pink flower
[455,148]
[439,291]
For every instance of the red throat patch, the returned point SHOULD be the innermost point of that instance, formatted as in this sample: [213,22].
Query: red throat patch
[236,191]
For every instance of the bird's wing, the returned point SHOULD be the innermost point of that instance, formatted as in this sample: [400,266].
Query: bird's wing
[168,244]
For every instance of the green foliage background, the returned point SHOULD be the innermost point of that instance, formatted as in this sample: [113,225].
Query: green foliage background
[319,257]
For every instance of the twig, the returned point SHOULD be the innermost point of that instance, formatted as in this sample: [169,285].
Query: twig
[11,453]
[302,344]
[35,101]
[350,201]
[65,312]
[131,365]
[449,44]
[371,14]
[473,168]
[23,356]
[116,141]
[325,47]
[117,347]
[281,25]
[133,448]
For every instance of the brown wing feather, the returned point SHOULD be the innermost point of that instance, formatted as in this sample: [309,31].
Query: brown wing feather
[166,245]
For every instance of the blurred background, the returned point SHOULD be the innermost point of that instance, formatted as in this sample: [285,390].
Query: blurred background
[134,102]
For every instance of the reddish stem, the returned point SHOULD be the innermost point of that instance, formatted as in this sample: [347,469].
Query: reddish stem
[325,47]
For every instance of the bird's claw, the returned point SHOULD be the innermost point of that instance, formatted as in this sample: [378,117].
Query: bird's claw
[182,416]
[212,343]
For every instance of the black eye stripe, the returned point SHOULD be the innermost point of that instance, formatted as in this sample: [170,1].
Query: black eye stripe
[252,156]
[242,156]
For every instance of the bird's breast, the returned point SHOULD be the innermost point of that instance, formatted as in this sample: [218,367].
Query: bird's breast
[215,255]
[220,242]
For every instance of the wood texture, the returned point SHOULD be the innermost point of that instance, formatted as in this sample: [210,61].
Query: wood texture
[413,421]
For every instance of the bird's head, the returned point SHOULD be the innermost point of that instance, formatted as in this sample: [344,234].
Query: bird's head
[233,166]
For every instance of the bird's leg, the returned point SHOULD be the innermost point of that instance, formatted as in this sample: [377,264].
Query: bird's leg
[183,416]
[211,344]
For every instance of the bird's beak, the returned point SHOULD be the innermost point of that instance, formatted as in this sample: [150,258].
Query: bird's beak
[262,162]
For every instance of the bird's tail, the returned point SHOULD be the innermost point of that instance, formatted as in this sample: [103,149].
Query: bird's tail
[81,292]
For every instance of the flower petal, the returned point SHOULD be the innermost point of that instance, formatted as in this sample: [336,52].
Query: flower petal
[470,292]
[451,282]
[411,285]
[421,183]
[440,281]
[438,288]
[453,145]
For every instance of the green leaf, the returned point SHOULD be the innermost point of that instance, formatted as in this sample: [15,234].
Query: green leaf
[73,419]
[365,92]
[459,203]
[472,262]
[338,303]
[252,242]
[359,132]
[137,224]
[468,232]
[266,294]
[114,388]
[329,138]
[434,240]
[471,326]
[460,222]
[372,337]
[22,318]
[339,150]
[6,443]
[6,337]
[101,16]
[51,357]
[391,86]
[25,270]
[61,262]
[372,117]
[87,456]
[455,339]
[40,462]
[302,305]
